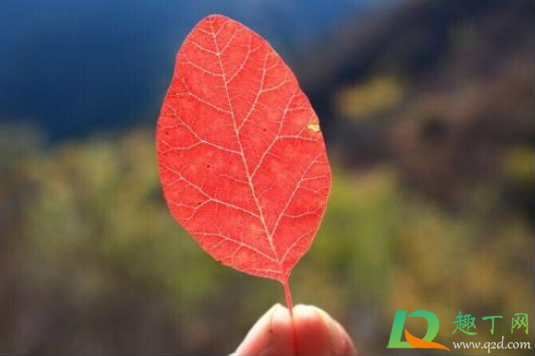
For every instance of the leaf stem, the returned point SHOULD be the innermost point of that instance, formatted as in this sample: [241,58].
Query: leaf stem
[290,306]
[288,295]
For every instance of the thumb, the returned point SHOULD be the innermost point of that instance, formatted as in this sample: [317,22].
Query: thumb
[317,333]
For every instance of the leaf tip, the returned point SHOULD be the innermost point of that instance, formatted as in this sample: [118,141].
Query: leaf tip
[215,17]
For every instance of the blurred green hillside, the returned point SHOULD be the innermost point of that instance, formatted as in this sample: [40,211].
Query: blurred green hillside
[93,262]
[431,208]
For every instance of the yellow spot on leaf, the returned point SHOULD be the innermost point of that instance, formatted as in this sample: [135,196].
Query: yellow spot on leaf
[314,127]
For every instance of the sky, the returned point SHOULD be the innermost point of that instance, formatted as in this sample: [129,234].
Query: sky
[73,68]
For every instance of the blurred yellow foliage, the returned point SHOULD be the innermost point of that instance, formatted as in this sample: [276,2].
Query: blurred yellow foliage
[373,97]
[519,165]
[91,238]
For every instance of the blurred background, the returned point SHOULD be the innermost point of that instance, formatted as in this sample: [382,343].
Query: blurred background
[427,109]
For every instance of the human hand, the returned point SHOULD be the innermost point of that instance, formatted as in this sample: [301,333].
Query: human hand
[309,331]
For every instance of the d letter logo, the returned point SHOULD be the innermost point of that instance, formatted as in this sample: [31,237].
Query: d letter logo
[412,341]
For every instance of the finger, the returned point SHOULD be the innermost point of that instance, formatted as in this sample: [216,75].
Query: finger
[271,335]
[257,338]
[318,334]
[341,341]
[311,331]
[281,341]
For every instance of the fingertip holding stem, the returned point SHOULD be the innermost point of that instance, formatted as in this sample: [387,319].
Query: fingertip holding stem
[308,331]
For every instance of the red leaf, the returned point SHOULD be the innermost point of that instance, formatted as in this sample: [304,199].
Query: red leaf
[241,157]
